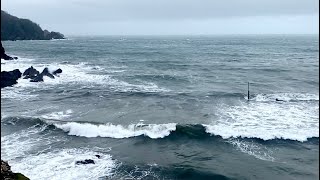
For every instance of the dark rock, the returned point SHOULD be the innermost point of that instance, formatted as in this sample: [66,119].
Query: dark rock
[58,71]
[52,35]
[87,161]
[30,73]
[4,55]
[9,78]
[14,28]
[7,174]
[6,170]
[45,72]
[98,156]
[38,78]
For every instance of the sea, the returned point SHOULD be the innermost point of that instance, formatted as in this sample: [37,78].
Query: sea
[164,107]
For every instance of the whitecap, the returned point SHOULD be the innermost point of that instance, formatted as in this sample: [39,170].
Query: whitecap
[286,97]
[153,131]
[267,120]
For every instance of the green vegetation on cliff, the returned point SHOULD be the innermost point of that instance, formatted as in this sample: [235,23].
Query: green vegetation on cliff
[14,28]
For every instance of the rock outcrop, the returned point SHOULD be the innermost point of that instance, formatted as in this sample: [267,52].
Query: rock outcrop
[56,72]
[9,78]
[39,77]
[52,35]
[45,72]
[30,73]
[7,174]
[4,55]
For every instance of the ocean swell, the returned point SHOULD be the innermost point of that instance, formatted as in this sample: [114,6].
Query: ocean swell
[170,130]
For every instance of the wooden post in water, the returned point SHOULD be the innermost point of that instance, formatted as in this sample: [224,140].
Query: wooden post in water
[248,92]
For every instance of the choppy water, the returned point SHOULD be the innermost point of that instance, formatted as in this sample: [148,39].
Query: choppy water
[165,108]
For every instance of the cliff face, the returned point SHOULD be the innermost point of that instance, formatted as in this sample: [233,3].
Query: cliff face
[14,28]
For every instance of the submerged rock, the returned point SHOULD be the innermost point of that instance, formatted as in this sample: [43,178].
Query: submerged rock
[87,161]
[9,78]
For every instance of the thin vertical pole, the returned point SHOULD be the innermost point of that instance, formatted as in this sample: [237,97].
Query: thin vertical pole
[248,92]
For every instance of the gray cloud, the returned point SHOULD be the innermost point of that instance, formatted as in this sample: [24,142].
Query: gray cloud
[114,14]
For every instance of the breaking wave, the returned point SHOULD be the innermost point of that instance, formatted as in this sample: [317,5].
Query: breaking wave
[156,131]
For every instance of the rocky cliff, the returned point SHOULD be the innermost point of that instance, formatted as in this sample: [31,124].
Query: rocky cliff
[14,28]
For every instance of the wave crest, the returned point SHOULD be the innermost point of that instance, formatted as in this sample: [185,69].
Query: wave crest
[170,130]
[153,131]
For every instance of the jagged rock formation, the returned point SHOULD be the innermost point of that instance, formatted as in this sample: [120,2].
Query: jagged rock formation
[9,78]
[30,73]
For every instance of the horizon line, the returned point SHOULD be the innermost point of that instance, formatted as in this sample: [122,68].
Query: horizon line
[255,34]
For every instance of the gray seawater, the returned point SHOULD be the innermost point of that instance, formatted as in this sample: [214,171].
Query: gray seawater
[165,107]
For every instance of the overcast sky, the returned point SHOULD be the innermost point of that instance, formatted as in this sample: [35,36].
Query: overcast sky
[169,17]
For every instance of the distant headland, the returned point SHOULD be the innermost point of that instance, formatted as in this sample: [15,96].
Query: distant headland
[14,28]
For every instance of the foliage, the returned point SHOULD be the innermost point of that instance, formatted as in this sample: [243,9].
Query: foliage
[14,28]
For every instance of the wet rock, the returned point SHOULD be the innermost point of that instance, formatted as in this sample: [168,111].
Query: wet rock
[38,78]
[7,174]
[45,72]
[9,78]
[4,55]
[30,73]
[58,71]
[87,161]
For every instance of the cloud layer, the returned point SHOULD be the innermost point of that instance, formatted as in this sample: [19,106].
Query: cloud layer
[169,15]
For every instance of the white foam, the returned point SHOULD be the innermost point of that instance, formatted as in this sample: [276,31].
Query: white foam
[268,120]
[60,164]
[17,145]
[253,149]
[19,94]
[16,61]
[286,97]
[153,131]
[80,73]
[19,149]
[58,115]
